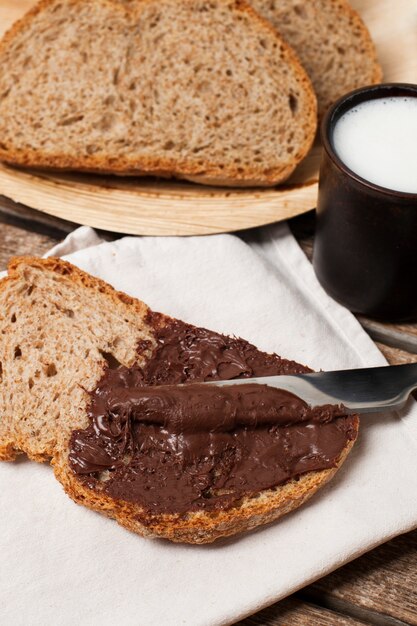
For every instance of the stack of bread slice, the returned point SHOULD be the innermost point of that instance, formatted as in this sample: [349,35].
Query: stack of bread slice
[206,90]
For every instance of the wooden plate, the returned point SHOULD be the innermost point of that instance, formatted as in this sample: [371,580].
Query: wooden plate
[154,207]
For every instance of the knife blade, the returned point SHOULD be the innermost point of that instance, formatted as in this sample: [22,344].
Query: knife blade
[365,390]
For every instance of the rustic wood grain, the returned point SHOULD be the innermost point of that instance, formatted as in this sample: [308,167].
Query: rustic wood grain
[396,356]
[17,241]
[383,581]
[15,213]
[295,612]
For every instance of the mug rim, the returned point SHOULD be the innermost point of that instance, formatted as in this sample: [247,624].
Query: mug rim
[347,102]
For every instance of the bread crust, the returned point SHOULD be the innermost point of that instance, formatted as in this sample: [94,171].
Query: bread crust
[196,527]
[223,174]
[201,527]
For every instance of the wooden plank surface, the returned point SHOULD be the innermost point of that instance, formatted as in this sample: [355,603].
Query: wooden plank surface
[380,587]
[396,356]
[12,212]
[15,241]
[295,612]
[380,583]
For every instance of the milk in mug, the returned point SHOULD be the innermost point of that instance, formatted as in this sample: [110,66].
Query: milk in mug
[377,140]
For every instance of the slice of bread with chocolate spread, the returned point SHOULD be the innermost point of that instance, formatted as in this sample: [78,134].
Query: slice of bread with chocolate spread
[85,375]
[199,89]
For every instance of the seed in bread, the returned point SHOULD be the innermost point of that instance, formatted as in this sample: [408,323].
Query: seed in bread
[331,41]
[63,330]
[198,89]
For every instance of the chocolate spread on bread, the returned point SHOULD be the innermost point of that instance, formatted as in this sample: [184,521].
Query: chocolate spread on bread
[201,447]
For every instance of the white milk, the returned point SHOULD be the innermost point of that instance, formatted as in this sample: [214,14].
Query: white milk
[378,141]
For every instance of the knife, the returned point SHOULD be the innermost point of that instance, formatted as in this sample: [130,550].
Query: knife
[367,390]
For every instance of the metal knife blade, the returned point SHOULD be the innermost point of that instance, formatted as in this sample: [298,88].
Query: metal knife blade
[367,390]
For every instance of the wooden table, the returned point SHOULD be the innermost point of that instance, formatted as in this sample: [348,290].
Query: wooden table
[380,588]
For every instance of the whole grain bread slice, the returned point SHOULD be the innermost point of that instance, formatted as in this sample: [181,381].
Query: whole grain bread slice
[197,89]
[60,328]
[330,39]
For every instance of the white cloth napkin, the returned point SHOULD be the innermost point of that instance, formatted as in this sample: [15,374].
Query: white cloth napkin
[64,564]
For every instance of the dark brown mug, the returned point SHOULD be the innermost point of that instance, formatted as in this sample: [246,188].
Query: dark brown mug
[365,248]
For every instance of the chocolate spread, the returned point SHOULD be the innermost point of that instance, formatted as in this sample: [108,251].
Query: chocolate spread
[175,449]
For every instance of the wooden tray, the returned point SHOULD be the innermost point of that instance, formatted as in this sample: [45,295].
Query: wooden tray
[152,207]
